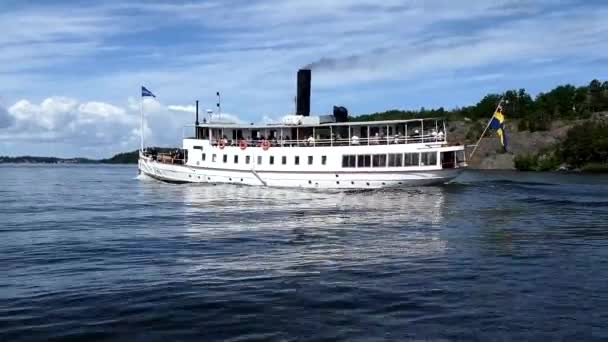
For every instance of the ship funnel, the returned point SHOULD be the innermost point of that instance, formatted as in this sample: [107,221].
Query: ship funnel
[196,135]
[303,96]
[196,121]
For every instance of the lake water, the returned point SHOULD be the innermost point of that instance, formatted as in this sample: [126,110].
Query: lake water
[91,252]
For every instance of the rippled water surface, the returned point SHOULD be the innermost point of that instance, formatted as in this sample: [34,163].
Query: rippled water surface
[91,252]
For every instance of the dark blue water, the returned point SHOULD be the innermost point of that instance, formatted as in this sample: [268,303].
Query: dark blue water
[90,252]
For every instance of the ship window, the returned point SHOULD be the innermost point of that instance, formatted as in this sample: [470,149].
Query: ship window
[309,160]
[379,160]
[197,147]
[204,156]
[364,160]
[225,158]
[236,159]
[271,160]
[395,159]
[460,158]
[429,158]
[247,159]
[323,160]
[259,160]
[410,159]
[283,160]
[296,160]
[349,160]
[213,158]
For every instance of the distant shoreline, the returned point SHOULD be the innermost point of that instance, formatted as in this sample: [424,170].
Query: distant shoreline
[64,164]
[122,158]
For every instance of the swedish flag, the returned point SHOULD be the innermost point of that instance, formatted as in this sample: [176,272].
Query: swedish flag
[498,123]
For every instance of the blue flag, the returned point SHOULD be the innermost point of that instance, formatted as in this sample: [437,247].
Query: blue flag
[145,92]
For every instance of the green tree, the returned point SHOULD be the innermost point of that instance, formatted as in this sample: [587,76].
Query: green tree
[595,95]
[485,108]
[586,143]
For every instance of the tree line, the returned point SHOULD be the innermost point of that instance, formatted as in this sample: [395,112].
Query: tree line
[585,147]
[564,102]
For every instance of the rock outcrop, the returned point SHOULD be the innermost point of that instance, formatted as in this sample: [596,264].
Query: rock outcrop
[490,154]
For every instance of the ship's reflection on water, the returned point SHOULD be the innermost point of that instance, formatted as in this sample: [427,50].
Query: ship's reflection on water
[309,230]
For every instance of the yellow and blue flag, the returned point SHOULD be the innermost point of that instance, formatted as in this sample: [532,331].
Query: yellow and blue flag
[498,123]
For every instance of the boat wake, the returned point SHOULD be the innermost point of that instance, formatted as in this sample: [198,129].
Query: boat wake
[144,177]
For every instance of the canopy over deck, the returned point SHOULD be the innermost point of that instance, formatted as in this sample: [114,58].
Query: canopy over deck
[321,134]
[329,124]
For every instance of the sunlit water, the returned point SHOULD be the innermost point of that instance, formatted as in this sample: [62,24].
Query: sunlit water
[91,252]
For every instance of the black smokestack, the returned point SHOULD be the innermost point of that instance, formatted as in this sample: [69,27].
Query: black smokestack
[303,97]
[196,122]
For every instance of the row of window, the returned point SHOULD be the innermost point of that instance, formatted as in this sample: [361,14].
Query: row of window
[391,159]
[296,159]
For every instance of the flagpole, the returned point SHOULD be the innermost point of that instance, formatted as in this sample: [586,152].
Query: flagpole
[141,110]
[485,130]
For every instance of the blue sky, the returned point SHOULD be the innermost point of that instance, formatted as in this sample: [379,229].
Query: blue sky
[70,71]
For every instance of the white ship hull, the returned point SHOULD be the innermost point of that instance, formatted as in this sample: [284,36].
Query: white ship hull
[295,179]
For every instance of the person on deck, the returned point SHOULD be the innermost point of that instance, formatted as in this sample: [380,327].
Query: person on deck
[376,139]
[310,141]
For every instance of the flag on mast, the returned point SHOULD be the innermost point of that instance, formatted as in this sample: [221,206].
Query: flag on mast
[145,92]
[498,123]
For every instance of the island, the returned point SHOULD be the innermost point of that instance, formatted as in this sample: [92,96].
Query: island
[120,158]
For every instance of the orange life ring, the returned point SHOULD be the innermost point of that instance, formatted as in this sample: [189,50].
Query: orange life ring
[265,145]
[243,144]
[221,144]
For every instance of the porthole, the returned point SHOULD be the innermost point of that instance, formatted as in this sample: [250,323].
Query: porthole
[336,176]
[309,182]
[400,183]
[208,178]
[230,179]
[337,182]
[367,183]
[189,176]
[383,183]
[241,179]
[352,183]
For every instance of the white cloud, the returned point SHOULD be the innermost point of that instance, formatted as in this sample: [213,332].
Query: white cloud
[179,108]
[148,104]
[95,111]
[88,126]
[226,118]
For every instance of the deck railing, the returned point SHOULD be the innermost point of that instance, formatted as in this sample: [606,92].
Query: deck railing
[167,158]
[353,141]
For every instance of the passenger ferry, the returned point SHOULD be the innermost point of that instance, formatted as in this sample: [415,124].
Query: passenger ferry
[323,152]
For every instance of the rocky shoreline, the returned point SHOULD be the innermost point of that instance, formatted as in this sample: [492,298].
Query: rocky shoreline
[490,154]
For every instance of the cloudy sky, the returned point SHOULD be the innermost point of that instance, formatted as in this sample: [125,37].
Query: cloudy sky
[70,71]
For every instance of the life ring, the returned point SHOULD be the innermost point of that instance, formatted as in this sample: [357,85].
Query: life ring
[265,145]
[243,144]
[221,144]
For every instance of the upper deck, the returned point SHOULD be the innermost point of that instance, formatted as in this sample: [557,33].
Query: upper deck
[325,134]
